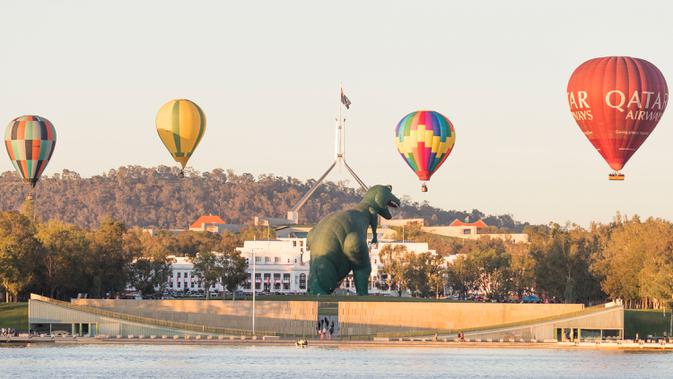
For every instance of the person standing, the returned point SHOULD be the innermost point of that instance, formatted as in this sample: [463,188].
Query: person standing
[331,330]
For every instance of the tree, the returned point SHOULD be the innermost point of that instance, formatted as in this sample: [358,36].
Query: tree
[109,258]
[19,253]
[462,276]
[208,268]
[636,262]
[522,267]
[395,265]
[437,274]
[563,257]
[234,270]
[146,274]
[494,272]
[65,250]
[416,273]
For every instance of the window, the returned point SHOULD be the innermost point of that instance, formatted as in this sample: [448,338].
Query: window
[248,282]
[467,231]
[267,259]
[276,281]
[288,260]
[276,260]
[192,284]
[258,259]
[267,282]
[294,243]
[179,273]
[286,281]
[302,281]
[178,284]
[258,281]
[170,284]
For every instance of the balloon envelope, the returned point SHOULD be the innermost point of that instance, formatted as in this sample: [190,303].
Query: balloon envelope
[181,124]
[424,139]
[617,102]
[30,142]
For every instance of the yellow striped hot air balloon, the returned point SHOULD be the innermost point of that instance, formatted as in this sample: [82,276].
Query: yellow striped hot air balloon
[181,124]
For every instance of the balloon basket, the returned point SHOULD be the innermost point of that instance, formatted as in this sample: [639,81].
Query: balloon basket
[616,176]
[424,188]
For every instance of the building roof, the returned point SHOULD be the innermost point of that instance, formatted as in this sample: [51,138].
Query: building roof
[478,223]
[207,219]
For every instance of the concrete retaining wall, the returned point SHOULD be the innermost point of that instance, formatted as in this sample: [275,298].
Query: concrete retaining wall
[364,318]
[290,317]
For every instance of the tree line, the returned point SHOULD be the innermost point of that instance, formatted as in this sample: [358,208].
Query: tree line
[62,260]
[157,198]
[627,259]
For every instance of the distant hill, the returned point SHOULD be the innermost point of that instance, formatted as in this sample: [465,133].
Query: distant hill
[156,197]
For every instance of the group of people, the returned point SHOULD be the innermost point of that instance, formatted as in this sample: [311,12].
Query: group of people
[7,332]
[325,328]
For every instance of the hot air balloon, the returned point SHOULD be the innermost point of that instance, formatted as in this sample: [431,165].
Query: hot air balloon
[30,142]
[617,102]
[424,139]
[180,124]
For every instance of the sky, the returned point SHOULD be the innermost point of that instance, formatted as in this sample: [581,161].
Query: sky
[267,74]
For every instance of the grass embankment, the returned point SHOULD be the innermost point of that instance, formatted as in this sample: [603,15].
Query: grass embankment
[646,322]
[14,315]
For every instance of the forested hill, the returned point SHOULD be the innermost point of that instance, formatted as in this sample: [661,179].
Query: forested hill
[156,197]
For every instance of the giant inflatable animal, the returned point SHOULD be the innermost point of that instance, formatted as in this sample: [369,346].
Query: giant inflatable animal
[338,244]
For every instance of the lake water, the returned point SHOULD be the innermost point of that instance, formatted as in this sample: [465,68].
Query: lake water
[176,361]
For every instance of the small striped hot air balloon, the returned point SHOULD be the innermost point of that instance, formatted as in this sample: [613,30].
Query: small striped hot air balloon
[30,142]
[181,124]
[424,139]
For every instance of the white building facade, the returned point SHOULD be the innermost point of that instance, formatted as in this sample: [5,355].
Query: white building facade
[282,267]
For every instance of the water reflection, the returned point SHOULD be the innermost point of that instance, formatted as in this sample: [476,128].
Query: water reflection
[175,361]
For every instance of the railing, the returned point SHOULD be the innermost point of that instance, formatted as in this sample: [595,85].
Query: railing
[149,320]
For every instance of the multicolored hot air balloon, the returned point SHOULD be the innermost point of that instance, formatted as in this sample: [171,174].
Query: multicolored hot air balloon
[30,142]
[424,139]
[617,102]
[181,124]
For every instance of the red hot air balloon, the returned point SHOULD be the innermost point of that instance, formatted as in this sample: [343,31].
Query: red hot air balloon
[617,102]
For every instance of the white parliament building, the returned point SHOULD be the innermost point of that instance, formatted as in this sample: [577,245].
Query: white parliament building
[282,266]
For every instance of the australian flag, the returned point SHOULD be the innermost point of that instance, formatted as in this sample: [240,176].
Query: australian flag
[345,100]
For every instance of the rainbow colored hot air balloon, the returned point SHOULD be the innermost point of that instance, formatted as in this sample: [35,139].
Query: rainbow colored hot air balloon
[617,102]
[424,139]
[181,124]
[30,142]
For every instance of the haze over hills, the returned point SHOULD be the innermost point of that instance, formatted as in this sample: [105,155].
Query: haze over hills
[156,197]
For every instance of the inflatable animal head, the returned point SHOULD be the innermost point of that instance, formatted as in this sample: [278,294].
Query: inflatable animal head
[379,198]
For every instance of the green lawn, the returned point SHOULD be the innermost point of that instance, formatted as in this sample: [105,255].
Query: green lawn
[646,322]
[14,315]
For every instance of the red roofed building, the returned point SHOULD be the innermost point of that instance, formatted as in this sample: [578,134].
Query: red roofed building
[209,223]
[478,224]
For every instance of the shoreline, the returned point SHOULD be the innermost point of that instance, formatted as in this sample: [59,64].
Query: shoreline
[625,346]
